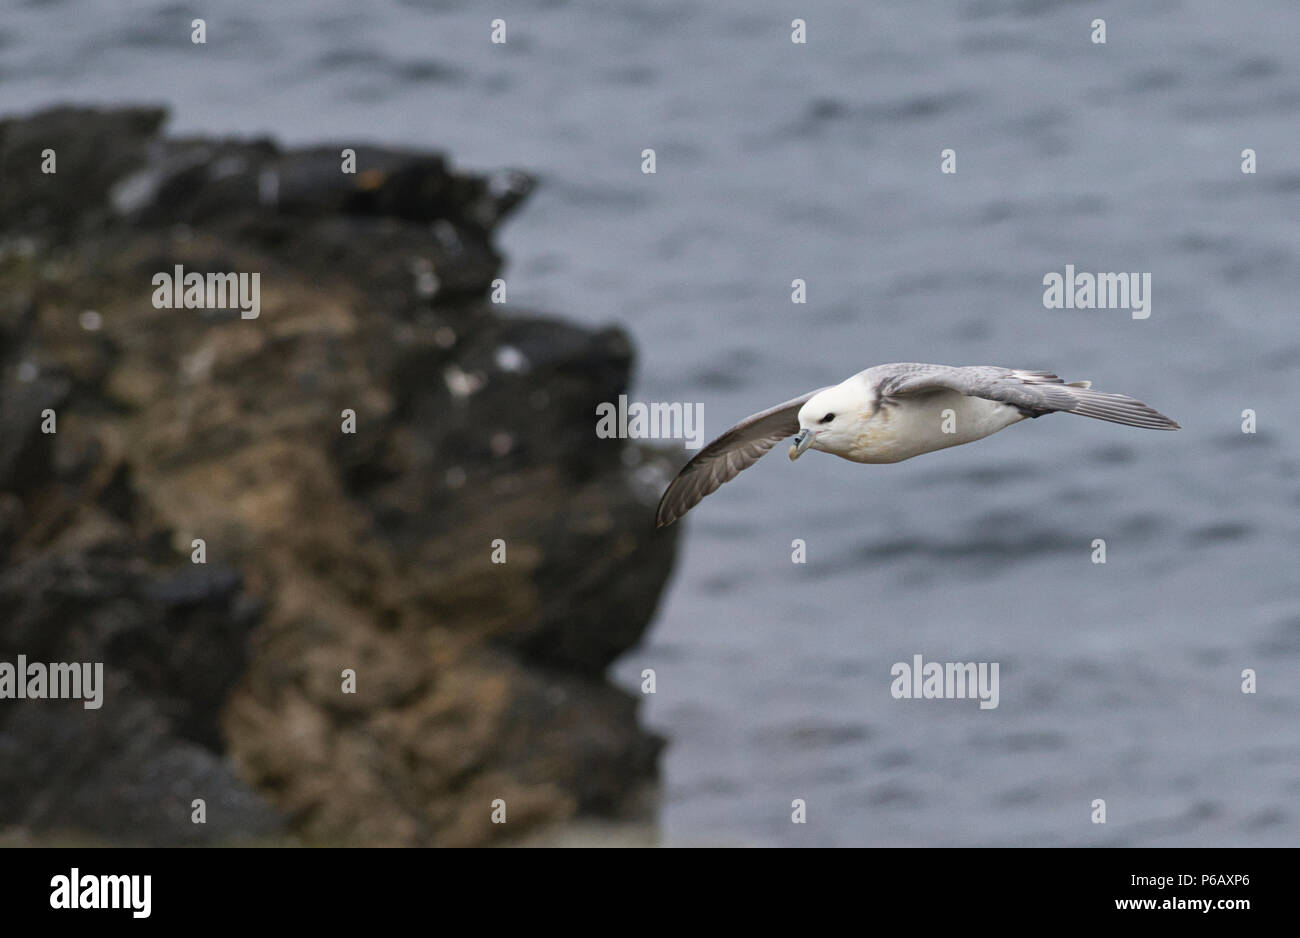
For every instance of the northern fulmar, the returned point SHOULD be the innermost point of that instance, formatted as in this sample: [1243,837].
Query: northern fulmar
[894,412]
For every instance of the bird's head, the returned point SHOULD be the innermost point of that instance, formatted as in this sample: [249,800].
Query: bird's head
[829,420]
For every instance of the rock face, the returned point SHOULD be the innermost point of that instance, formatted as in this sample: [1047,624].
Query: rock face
[325,550]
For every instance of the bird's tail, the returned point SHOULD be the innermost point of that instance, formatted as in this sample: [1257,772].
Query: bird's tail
[1078,397]
[1117,408]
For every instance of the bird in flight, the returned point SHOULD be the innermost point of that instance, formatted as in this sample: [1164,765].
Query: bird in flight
[894,412]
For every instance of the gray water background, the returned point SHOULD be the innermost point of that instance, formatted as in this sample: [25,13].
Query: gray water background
[775,161]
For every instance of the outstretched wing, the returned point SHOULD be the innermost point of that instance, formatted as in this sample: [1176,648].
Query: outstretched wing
[728,456]
[1033,392]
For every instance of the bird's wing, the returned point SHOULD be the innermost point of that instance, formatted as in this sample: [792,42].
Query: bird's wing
[728,456]
[1033,392]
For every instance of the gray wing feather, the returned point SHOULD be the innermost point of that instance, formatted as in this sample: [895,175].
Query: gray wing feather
[1033,392]
[728,456]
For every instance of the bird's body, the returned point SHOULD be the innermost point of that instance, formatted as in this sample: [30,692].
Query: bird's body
[893,412]
[892,433]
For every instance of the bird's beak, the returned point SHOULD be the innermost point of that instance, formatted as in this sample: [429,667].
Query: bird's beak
[802,440]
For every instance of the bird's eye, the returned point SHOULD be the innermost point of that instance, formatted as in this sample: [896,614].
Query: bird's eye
[828,418]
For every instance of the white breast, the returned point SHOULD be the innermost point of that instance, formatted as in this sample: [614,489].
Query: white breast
[916,425]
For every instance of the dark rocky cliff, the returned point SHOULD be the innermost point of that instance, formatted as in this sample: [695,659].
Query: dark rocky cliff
[325,550]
